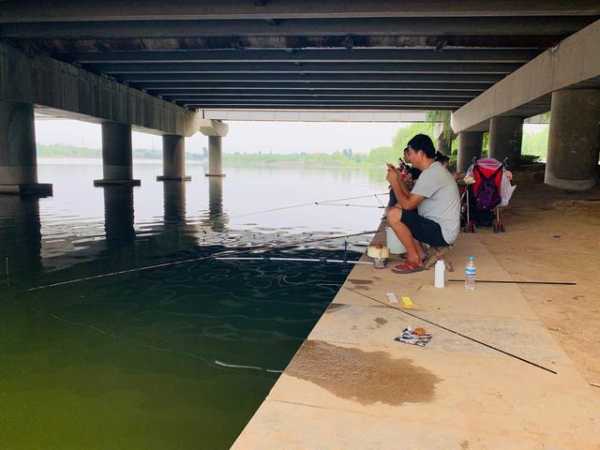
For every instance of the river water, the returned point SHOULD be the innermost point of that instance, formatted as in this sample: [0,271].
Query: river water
[178,357]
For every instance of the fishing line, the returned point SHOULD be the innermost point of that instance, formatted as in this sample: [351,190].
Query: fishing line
[301,205]
[196,356]
[193,260]
[351,205]
[504,352]
[273,258]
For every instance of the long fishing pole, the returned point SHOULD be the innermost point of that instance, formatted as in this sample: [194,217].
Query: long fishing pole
[229,252]
[458,333]
[560,283]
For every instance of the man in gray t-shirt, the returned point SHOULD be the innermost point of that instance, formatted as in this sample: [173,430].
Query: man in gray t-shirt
[430,213]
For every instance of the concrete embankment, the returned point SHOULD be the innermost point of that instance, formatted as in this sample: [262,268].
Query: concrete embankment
[351,386]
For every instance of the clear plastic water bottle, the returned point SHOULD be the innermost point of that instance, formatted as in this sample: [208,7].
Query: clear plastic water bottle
[470,274]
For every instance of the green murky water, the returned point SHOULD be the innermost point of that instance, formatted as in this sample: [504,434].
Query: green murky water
[178,357]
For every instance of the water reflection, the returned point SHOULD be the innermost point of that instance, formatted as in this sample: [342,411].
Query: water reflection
[217,218]
[119,214]
[20,236]
[174,202]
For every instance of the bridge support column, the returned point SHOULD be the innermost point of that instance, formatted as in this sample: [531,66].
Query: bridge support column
[18,160]
[469,147]
[506,136]
[173,159]
[117,156]
[574,139]
[215,157]
[215,130]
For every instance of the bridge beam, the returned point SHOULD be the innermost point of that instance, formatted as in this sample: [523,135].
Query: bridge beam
[75,93]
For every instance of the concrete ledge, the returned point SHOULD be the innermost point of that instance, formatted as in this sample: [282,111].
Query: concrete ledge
[117,183]
[214,175]
[163,178]
[37,189]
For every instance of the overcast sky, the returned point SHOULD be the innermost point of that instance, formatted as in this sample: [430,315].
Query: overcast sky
[244,137]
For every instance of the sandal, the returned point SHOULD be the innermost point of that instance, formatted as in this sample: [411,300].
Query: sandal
[407,267]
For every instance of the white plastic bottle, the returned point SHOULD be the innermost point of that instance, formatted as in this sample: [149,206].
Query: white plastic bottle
[440,274]
[470,274]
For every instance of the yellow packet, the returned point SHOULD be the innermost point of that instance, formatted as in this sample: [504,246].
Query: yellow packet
[407,302]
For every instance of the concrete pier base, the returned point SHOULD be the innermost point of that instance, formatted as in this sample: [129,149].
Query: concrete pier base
[18,160]
[215,157]
[469,147]
[506,137]
[574,140]
[116,156]
[173,159]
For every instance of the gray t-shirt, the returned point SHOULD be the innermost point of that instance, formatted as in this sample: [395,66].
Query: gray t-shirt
[441,201]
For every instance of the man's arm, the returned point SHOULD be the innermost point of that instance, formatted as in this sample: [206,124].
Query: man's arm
[406,199]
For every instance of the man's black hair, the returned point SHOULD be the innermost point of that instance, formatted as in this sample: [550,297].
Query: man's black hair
[422,142]
[440,157]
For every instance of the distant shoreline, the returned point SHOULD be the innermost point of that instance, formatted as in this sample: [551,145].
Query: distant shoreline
[84,153]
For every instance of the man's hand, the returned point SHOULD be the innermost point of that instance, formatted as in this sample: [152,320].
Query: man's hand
[392,175]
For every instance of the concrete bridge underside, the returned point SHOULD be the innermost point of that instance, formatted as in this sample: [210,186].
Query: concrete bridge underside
[171,68]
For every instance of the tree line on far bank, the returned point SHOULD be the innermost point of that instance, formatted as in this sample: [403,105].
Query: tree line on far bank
[534,148]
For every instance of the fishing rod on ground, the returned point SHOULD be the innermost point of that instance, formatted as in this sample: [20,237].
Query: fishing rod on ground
[229,252]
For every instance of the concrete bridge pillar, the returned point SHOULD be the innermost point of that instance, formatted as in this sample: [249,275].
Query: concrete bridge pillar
[117,166]
[574,139]
[173,159]
[18,160]
[215,157]
[215,130]
[469,147]
[506,136]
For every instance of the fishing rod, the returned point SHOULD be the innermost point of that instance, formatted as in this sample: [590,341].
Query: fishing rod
[230,252]
[560,283]
[458,333]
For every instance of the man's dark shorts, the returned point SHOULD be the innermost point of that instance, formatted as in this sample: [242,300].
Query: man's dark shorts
[422,229]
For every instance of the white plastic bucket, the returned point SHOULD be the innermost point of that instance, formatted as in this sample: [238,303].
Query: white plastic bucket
[393,243]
